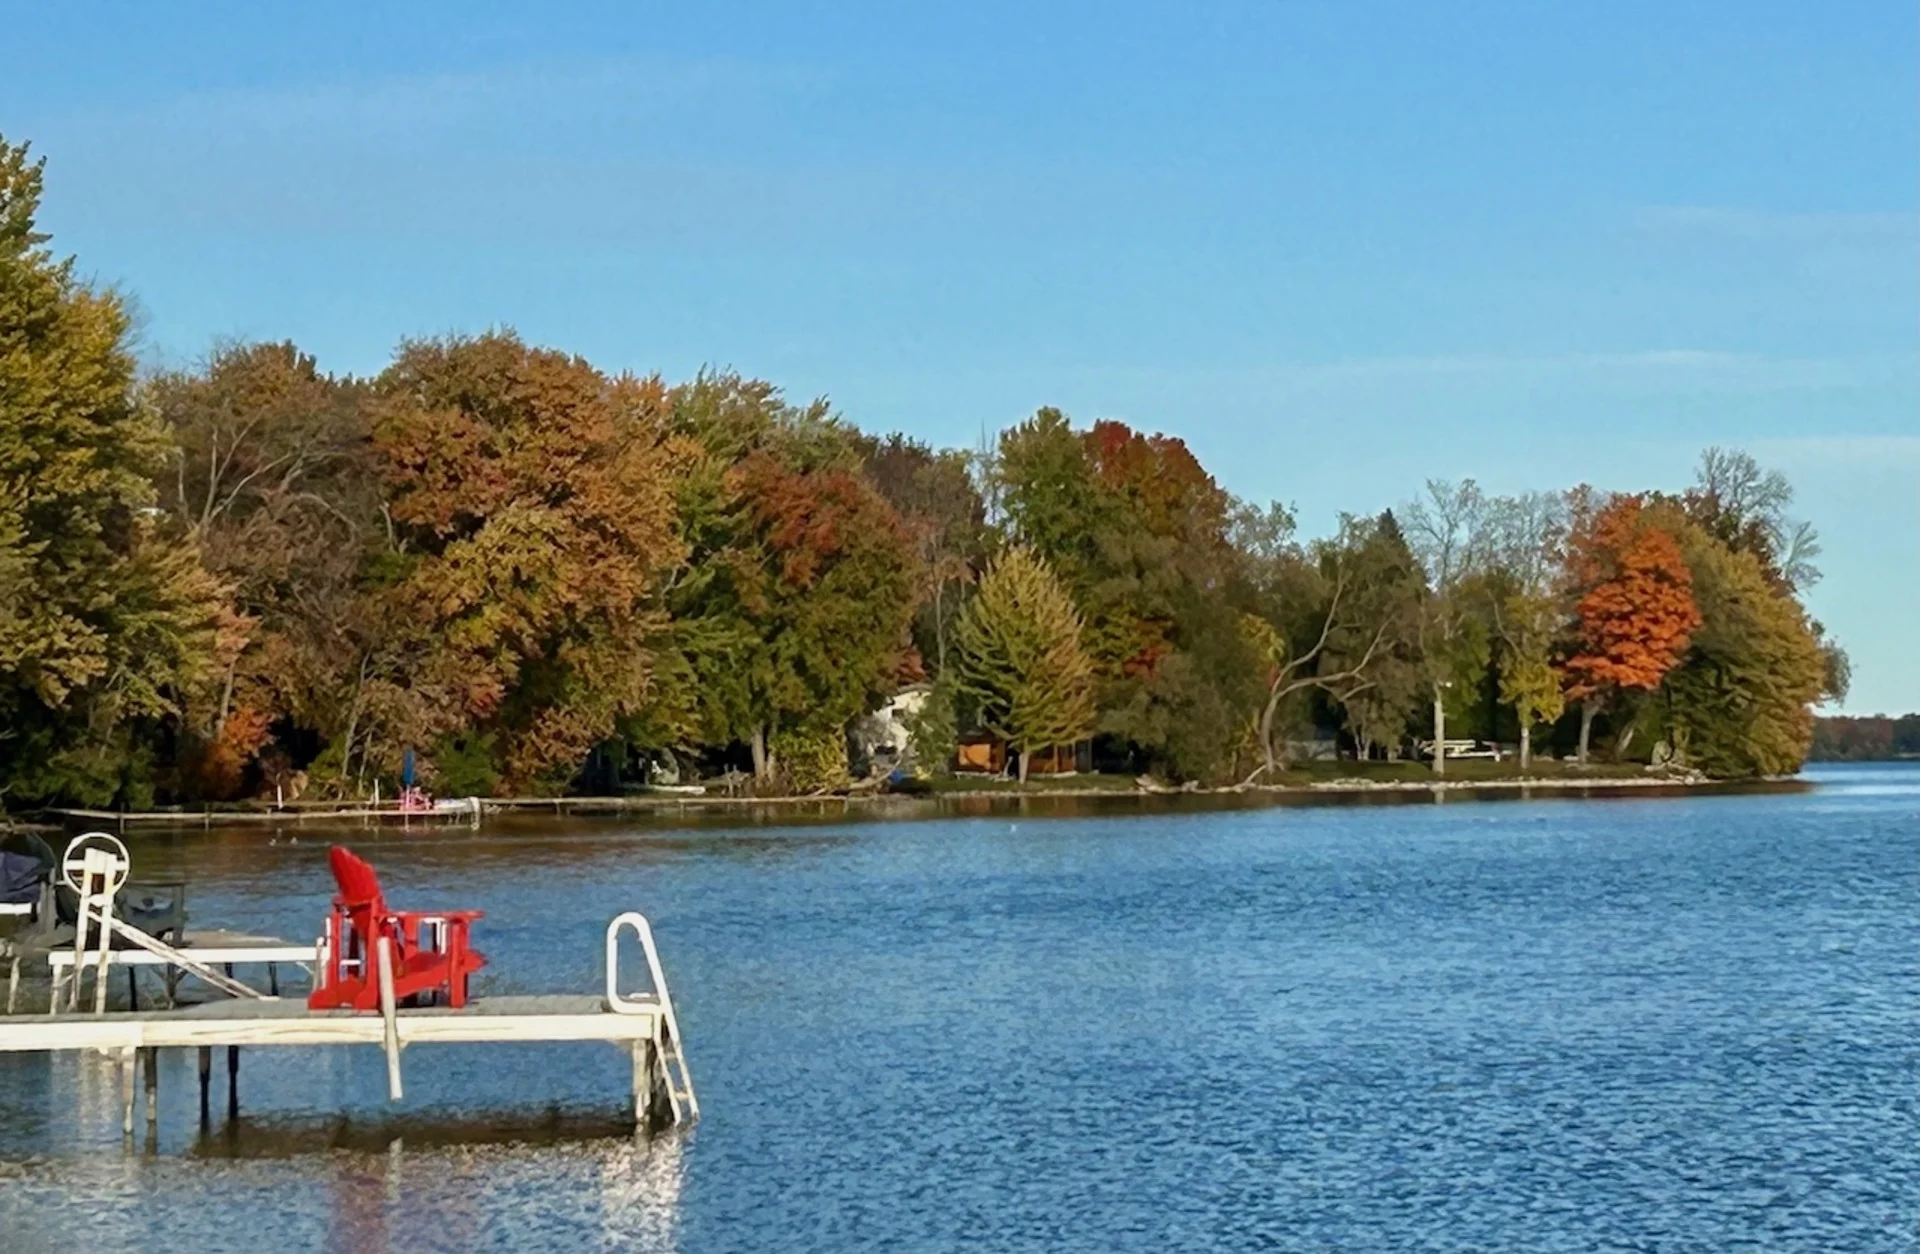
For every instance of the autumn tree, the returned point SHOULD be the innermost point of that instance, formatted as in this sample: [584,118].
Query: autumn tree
[1739,701]
[1447,531]
[826,577]
[1019,658]
[107,620]
[1049,498]
[1379,642]
[1529,681]
[533,496]
[1137,531]
[271,475]
[1334,620]
[934,494]
[1179,676]
[792,610]
[1745,507]
[1528,537]
[1635,608]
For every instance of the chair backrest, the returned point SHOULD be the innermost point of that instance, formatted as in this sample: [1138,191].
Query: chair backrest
[359,886]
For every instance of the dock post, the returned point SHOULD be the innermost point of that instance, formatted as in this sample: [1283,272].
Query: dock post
[206,1080]
[383,952]
[152,1077]
[127,1056]
[233,1082]
[642,1051]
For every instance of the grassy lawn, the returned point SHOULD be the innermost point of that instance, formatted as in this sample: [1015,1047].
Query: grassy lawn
[1302,774]
[1307,774]
[1035,784]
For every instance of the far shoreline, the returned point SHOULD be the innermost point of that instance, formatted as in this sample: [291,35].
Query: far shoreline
[953,796]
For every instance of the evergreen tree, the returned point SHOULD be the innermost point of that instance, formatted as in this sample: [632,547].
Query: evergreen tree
[1018,656]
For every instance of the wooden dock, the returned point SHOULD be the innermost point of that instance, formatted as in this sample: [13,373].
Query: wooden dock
[407,956]
[581,1017]
[641,1026]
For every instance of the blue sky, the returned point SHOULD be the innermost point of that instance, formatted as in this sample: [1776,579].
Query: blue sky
[1339,247]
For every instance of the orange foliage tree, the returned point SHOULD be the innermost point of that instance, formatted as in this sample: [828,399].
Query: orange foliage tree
[534,496]
[1636,609]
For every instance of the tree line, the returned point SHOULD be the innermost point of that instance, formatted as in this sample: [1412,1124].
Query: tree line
[1866,738]
[524,573]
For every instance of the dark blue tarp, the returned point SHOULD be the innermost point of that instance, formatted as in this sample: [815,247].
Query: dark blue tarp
[20,877]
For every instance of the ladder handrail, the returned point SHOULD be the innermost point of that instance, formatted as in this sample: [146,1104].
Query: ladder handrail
[672,1057]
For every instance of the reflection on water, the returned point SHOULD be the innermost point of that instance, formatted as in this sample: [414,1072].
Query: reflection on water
[252,1136]
[640,1195]
[1542,1024]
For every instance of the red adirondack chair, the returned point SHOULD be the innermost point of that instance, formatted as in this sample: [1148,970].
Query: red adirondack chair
[431,957]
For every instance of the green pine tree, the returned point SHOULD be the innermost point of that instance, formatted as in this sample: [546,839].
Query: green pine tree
[1020,659]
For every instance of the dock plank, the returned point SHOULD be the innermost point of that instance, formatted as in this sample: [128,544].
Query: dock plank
[581,1017]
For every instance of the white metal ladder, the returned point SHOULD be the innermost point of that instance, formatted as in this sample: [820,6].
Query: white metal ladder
[671,1059]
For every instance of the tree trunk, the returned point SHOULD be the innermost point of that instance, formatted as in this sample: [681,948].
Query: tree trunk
[1587,711]
[762,761]
[940,624]
[1526,746]
[1266,729]
[226,698]
[353,725]
[1439,733]
[1025,757]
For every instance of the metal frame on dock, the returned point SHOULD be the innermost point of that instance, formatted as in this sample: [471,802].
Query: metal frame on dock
[643,1023]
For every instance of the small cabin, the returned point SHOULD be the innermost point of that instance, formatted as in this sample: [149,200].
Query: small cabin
[983,754]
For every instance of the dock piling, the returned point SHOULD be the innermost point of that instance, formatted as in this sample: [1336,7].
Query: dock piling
[206,1081]
[390,1028]
[642,1052]
[233,1082]
[126,1090]
[152,1077]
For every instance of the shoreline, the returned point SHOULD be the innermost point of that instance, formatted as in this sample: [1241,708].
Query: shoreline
[301,813]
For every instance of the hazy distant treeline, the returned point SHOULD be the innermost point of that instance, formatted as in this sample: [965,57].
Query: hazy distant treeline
[1866,738]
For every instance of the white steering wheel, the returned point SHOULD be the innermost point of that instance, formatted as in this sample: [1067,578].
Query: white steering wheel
[73,863]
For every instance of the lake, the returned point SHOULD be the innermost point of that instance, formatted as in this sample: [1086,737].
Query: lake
[1632,1022]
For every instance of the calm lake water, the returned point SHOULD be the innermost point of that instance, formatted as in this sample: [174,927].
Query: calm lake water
[1649,1023]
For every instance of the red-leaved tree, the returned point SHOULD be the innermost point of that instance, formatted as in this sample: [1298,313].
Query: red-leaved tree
[1635,611]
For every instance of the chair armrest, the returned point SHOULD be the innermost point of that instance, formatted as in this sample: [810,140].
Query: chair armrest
[462,916]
